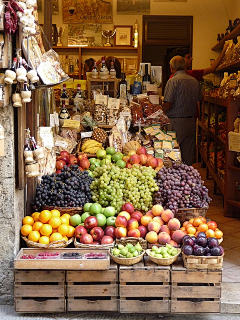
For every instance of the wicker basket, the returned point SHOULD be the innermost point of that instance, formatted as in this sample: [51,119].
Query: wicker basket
[189,213]
[203,262]
[52,245]
[69,210]
[127,261]
[133,241]
[163,261]
[77,244]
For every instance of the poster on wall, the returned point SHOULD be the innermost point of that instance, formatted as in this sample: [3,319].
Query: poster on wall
[91,11]
[133,6]
[83,35]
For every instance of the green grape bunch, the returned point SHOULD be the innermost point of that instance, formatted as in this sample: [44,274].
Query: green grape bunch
[113,186]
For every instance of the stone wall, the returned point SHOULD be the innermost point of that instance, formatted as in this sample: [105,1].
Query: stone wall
[11,209]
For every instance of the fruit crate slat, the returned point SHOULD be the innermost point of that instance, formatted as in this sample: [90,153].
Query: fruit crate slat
[137,306]
[42,290]
[48,305]
[183,291]
[33,276]
[195,307]
[92,276]
[94,304]
[199,277]
[104,290]
[151,291]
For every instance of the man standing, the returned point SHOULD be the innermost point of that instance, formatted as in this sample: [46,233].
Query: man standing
[182,92]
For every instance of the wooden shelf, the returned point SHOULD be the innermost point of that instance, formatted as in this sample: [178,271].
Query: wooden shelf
[234,203]
[232,168]
[231,66]
[231,35]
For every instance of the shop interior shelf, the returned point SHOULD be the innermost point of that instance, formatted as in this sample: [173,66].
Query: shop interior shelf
[231,35]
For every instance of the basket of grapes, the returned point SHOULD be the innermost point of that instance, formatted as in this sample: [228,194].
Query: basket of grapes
[163,256]
[127,255]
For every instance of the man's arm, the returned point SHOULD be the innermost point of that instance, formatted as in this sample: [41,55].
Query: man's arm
[166,106]
[216,63]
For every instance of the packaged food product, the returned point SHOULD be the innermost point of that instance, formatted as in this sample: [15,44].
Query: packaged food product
[137,113]
[100,114]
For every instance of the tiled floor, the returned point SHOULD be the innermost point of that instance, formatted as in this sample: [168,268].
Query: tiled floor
[230,302]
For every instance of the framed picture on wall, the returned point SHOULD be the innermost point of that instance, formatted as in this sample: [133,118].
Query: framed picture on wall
[123,36]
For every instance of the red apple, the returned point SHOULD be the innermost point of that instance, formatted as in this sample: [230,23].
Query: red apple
[134,233]
[141,150]
[106,240]
[96,243]
[120,232]
[126,158]
[84,163]
[90,222]
[143,159]
[80,168]
[121,221]
[73,160]
[132,224]
[79,231]
[160,162]
[58,171]
[97,233]
[143,231]
[86,238]
[128,207]
[65,155]
[128,165]
[60,164]
[137,215]
[149,156]
[110,231]
[134,159]
[152,162]
[82,156]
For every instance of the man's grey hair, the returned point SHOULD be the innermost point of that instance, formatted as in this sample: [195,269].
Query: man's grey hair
[177,63]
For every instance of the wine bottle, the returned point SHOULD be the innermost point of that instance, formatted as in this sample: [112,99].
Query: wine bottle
[145,80]
[27,145]
[135,39]
[76,66]
[95,71]
[112,71]
[104,70]
[64,96]
[66,66]
[71,66]
[123,87]
[79,95]
[14,65]
[64,114]
[137,83]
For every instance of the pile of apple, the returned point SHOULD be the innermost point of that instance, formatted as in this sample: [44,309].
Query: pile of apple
[96,225]
[140,157]
[67,159]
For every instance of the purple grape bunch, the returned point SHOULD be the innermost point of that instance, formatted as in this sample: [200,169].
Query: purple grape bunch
[180,186]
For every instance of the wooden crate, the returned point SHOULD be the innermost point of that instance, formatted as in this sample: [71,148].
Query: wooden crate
[92,290]
[203,263]
[195,291]
[144,288]
[61,264]
[39,291]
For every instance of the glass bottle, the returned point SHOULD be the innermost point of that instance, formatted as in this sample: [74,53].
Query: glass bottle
[71,66]
[112,71]
[104,70]
[76,66]
[64,114]
[64,96]
[137,83]
[79,95]
[135,39]
[123,87]
[27,145]
[66,66]
[14,65]
[145,80]
[95,71]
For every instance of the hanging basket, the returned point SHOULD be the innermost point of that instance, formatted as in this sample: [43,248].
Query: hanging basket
[189,213]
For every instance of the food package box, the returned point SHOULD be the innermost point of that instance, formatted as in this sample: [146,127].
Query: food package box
[62,259]
[234,141]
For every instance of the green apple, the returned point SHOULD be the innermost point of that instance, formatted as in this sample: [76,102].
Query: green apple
[95,208]
[92,160]
[97,164]
[117,156]
[109,212]
[108,156]
[110,150]
[111,221]
[85,215]
[102,220]
[75,220]
[100,153]
[90,173]
[121,163]
[87,206]
[97,161]
[92,167]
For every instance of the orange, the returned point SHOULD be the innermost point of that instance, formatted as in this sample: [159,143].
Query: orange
[34,213]
[36,216]
[46,229]
[185,223]
[71,232]
[54,230]
[65,238]
[63,229]
[26,229]
[191,235]
[197,222]
[55,237]
[183,228]
[55,213]
[212,225]
[55,222]
[28,220]
[45,216]
[210,233]
[37,225]
[66,215]
[191,220]
[34,236]
[64,220]
[203,219]
[44,240]
[191,230]
[188,225]
[218,234]
[203,227]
